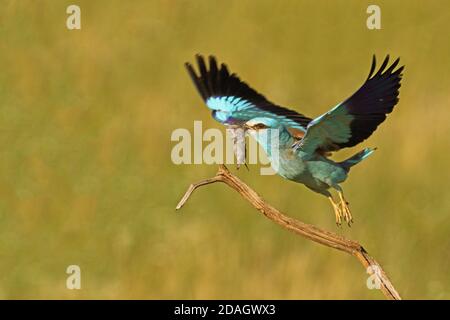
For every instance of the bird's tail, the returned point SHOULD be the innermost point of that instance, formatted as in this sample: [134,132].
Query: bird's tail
[360,156]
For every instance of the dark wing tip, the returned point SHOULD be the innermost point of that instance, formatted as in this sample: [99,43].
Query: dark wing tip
[399,71]
[212,59]
[189,67]
[383,66]
[197,79]
[224,69]
[395,73]
[200,62]
[212,64]
[372,67]
[384,69]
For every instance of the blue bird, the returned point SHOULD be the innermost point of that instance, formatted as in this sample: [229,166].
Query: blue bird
[233,102]
[303,145]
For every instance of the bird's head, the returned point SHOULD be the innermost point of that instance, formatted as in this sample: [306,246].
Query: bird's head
[258,124]
[265,130]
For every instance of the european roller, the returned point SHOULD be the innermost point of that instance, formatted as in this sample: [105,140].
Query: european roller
[303,145]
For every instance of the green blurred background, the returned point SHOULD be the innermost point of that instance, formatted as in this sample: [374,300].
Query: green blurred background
[85,170]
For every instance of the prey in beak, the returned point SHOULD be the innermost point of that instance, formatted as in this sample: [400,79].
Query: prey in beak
[237,134]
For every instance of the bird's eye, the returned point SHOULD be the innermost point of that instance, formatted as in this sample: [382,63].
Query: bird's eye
[259,126]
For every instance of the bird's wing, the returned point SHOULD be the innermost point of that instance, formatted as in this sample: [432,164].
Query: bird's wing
[233,101]
[355,119]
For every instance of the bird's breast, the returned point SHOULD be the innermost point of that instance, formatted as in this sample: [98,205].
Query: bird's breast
[291,166]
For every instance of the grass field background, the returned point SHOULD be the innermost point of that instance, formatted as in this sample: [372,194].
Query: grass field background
[85,170]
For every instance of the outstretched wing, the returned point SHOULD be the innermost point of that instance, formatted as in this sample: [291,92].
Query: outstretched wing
[233,101]
[355,119]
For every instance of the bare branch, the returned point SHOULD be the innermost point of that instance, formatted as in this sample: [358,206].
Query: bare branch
[194,186]
[308,231]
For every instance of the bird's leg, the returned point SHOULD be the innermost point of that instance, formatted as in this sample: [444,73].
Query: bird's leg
[337,211]
[345,209]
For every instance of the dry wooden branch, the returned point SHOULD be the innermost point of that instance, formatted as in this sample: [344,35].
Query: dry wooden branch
[308,231]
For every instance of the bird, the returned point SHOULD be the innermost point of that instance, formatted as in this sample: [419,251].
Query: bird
[232,102]
[303,145]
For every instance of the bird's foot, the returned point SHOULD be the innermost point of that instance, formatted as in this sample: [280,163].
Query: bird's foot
[345,209]
[337,212]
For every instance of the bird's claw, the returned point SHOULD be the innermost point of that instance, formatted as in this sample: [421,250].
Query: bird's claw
[342,212]
[337,212]
[345,209]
